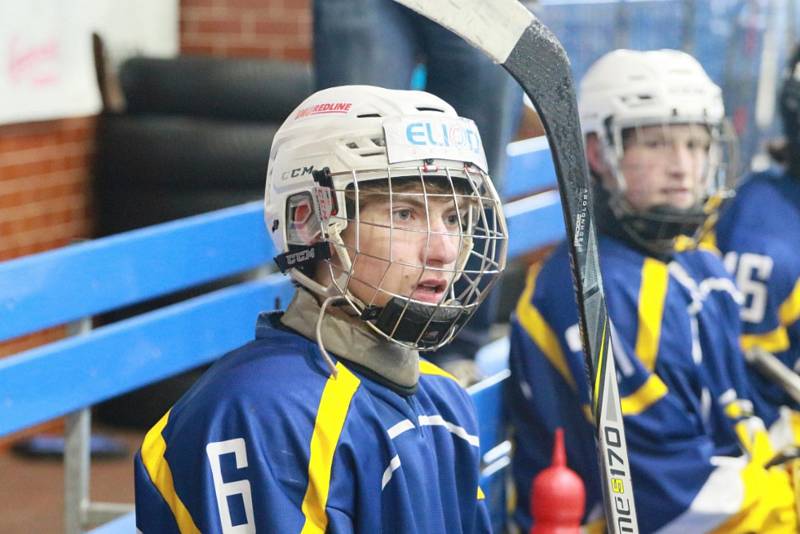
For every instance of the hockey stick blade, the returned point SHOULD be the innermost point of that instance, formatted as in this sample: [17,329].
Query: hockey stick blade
[508,33]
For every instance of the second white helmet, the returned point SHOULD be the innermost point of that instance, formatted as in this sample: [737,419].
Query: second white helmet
[627,90]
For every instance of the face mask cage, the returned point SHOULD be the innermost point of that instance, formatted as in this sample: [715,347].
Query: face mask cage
[711,153]
[415,250]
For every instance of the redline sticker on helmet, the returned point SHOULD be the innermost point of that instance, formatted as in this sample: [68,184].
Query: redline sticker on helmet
[327,107]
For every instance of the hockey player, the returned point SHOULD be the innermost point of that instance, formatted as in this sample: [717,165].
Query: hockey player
[655,146]
[329,421]
[759,233]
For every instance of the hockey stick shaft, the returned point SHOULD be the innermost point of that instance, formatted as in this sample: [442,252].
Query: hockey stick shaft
[508,33]
[772,368]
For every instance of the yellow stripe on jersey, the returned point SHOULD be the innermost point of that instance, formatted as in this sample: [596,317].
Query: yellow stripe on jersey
[648,394]
[540,332]
[789,311]
[708,242]
[774,341]
[427,368]
[652,294]
[481,496]
[153,449]
[331,415]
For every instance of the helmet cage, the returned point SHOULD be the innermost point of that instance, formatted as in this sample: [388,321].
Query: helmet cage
[478,232]
[656,228]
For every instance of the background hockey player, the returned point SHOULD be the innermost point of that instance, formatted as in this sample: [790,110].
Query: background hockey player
[653,123]
[759,232]
[329,421]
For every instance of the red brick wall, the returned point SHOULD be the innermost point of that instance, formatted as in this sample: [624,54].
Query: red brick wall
[247,28]
[44,184]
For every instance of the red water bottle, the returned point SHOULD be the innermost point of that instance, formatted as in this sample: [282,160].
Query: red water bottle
[557,496]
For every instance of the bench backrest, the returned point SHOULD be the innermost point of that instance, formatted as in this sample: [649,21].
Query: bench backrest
[85,279]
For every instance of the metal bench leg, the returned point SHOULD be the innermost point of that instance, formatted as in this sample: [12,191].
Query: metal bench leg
[76,470]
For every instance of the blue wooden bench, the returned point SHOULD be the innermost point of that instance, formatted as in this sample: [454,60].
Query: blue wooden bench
[68,286]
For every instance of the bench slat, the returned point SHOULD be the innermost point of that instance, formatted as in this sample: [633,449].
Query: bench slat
[61,377]
[533,222]
[81,280]
[529,168]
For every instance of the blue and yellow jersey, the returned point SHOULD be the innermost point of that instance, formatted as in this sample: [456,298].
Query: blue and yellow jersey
[759,233]
[683,389]
[269,441]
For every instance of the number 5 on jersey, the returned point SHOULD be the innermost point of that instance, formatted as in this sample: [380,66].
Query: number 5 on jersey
[751,275]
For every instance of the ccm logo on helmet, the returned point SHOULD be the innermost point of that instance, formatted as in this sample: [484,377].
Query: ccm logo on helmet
[437,134]
[299,171]
[300,257]
[328,107]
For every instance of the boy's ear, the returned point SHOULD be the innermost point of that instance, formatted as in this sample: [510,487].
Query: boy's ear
[594,155]
[303,222]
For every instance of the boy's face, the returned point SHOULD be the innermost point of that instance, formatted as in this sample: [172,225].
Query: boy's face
[665,165]
[406,247]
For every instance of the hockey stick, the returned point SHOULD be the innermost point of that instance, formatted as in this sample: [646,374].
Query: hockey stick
[772,368]
[508,33]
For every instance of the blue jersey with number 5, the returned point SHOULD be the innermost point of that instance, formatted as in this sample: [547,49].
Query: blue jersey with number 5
[269,441]
[759,233]
[683,390]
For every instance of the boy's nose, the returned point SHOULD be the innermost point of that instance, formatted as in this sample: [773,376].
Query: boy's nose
[442,249]
[681,161]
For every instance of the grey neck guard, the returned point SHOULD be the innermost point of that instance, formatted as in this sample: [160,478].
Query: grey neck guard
[347,337]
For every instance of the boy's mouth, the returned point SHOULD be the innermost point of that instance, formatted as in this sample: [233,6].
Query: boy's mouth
[429,290]
[678,195]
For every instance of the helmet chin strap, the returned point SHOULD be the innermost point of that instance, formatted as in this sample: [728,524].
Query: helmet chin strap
[424,325]
[616,219]
[318,329]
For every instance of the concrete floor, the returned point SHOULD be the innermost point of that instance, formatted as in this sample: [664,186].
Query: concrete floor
[32,490]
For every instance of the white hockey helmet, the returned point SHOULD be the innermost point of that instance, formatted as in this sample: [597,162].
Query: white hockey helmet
[629,89]
[344,139]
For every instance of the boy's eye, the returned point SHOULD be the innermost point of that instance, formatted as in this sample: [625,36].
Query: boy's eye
[402,214]
[655,143]
[451,219]
[697,144]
